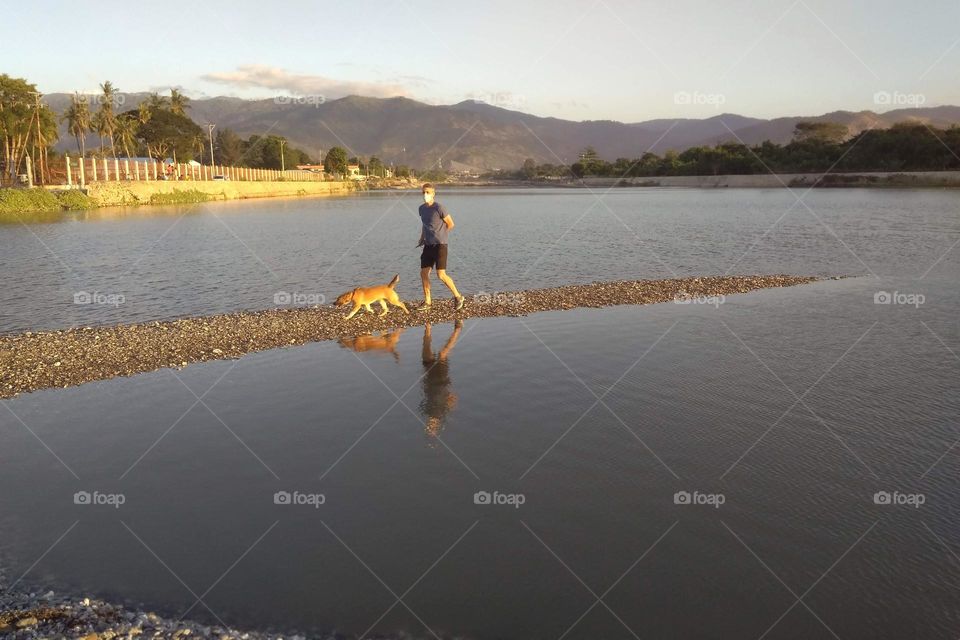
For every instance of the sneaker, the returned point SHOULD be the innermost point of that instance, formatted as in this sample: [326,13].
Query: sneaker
[459,302]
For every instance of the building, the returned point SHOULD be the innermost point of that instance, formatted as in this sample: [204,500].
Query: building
[313,168]
[353,172]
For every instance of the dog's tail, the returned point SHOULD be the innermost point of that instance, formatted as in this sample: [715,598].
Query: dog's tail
[394,282]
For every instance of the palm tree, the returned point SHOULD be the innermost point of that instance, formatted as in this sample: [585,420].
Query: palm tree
[126,129]
[178,102]
[107,114]
[98,125]
[143,113]
[198,144]
[157,101]
[77,118]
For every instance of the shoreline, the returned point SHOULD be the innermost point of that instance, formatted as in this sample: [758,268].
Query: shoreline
[815,180]
[30,361]
[16,201]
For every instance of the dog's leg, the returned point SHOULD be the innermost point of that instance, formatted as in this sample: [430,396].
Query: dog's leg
[367,308]
[383,305]
[356,308]
[397,302]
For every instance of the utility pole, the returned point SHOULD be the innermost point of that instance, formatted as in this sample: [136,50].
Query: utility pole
[210,133]
[283,166]
[41,165]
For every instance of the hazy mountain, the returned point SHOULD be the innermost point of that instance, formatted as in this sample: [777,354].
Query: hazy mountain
[401,130]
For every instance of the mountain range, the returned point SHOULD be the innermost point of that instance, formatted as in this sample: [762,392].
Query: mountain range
[404,131]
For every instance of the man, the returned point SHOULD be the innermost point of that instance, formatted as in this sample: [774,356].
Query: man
[436,226]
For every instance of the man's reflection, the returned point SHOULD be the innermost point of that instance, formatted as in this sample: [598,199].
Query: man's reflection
[438,399]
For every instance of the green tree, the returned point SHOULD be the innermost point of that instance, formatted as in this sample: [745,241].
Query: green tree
[127,127]
[529,169]
[178,103]
[336,161]
[228,147]
[167,133]
[143,113]
[156,102]
[108,116]
[77,117]
[824,132]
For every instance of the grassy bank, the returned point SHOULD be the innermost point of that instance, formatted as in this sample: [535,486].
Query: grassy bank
[36,200]
[180,197]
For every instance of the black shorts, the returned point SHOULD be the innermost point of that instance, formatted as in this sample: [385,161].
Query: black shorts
[434,255]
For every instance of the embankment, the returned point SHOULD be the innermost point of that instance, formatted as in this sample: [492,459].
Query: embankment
[105,194]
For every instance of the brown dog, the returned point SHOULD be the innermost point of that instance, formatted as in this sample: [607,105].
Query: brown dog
[365,296]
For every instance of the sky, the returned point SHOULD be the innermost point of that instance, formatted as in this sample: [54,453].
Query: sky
[624,60]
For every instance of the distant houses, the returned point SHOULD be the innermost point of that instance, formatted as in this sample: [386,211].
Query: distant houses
[462,170]
[312,168]
[353,172]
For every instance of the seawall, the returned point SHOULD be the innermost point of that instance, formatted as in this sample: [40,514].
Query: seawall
[126,192]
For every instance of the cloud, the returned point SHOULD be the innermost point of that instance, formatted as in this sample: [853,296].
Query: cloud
[257,76]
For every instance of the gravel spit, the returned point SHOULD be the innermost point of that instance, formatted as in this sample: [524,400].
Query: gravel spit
[63,358]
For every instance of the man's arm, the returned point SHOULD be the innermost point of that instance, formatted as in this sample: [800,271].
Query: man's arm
[448,220]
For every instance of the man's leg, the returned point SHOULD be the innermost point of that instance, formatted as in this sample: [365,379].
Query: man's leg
[425,280]
[447,280]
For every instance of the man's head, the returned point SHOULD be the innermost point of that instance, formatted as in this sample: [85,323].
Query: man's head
[429,192]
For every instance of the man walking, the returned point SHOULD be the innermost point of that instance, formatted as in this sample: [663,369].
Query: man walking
[437,224]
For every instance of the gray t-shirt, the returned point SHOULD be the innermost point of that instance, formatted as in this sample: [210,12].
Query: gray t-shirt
[434,228]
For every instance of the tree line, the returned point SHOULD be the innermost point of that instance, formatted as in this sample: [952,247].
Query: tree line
[158,127]
[815,147]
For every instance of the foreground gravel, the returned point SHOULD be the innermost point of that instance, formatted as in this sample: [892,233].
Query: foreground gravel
[40,360]
[34,616]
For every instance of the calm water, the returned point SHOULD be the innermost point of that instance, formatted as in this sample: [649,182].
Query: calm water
[694,398]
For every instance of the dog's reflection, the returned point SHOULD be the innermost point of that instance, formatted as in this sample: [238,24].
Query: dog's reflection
[438,399]
[385,341]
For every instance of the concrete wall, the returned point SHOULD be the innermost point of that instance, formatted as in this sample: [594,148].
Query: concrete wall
[764,180]
[132,192]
